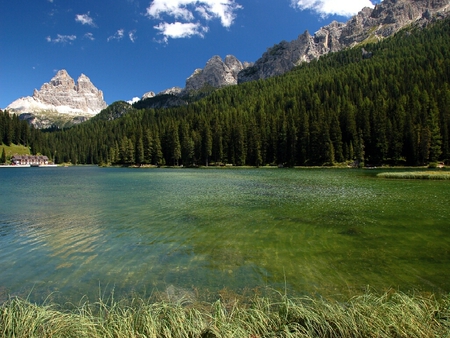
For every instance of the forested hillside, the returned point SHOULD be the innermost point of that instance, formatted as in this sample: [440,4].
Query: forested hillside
[13,130]
[391,105]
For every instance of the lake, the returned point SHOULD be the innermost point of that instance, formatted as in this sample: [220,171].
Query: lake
[87,231]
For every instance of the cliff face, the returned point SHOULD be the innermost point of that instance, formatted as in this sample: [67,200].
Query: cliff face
[61,100]
[369,25]
[217,73]
[62,91]
[384,20]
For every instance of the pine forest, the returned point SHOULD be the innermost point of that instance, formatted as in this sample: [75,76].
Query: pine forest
[390,105]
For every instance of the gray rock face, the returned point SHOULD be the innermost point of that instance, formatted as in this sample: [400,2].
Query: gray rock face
[148,95]
[62,90]
[217,73]
[60,102]
[172,91]
[384,20]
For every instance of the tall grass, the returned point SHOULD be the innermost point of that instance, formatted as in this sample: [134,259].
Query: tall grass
[424,175]
[392,314]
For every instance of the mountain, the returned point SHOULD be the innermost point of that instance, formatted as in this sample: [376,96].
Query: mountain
[217,73]
[346,108]
[160,101]
[113,111]
[369,25]
[60,102]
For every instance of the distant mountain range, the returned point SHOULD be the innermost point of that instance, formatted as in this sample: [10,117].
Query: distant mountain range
[64,102]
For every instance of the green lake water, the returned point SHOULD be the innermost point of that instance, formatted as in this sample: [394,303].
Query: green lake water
[82,231]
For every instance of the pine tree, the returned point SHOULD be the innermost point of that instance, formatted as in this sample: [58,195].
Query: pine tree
[158,157]
[3,159]
[435,136]
[148,147]
[139,152]
[206,143]
[217,148]
[130,153]
[175,145]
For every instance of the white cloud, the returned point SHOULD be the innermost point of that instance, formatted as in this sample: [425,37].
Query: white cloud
[62,38]
[333,7]
[133,100]
[132,35]
[175,8]
[179,30]
[85,19]
[188,15]
[89,36]
[117,36]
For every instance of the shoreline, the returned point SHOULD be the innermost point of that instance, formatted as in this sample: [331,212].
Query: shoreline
[391,314]
[29,166]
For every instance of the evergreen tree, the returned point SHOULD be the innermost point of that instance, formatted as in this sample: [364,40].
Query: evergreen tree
[139,152]
[3,158]
[158,158]
[217,148]
[148,147]
[130,153]
[239,142]
[187,145]
[390,108]
[206,143]
[435,136]
[175,145]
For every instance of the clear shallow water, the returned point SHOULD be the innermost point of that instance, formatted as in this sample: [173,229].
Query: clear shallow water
[80,231]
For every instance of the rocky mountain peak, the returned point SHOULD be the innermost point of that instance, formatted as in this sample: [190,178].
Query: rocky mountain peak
[217,73]
[148,95]
[370,24]
[62,90]
[171,91]
[77,101]
[84,84]
[62,79]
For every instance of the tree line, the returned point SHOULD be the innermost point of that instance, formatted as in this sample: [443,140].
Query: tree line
[13,130]
[393,107]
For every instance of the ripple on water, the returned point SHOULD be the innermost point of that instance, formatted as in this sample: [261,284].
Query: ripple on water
[144,229]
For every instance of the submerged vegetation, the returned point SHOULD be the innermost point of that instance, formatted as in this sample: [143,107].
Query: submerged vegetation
[424,175]
[392,314]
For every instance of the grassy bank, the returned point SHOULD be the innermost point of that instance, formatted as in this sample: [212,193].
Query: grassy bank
[14,149]
[392,314]
[415,175]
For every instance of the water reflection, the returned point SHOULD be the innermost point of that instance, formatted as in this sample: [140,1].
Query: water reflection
[85,229]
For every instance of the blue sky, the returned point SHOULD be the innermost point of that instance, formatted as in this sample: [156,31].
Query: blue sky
[130,47]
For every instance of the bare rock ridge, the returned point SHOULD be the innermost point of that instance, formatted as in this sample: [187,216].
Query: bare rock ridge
[77,101]
[217,73]
[67,102]
[62,91]
[384,20]
[369,25]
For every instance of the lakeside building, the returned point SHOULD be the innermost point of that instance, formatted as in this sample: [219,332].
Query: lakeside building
[33,160]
